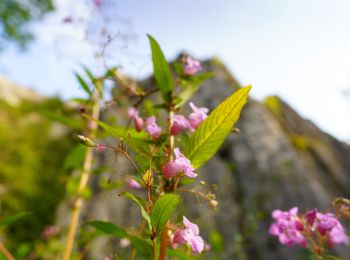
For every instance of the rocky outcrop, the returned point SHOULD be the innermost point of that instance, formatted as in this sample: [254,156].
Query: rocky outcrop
[278,160]
[13,94]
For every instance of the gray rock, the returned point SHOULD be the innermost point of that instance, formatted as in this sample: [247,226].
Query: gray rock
[278,160]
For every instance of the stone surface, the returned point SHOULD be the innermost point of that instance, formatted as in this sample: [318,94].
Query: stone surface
[278,160]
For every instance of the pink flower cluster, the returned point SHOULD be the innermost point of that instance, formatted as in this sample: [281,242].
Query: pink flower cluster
[288,227]
[191,66]
[179,121]
[180,164]
[293,229]
[327,225]
[194,120]
[151,126]
[188,235]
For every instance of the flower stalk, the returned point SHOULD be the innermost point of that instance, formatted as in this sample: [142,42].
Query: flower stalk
[85,175]
[5,252]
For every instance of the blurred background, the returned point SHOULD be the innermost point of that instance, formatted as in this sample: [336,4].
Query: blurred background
[295,53]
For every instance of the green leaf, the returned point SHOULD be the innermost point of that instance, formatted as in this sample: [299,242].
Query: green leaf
[89,74]
[142,203]
[83,84]
[142,246]
[108,228]
[211,133]
[12,219]
[110,73]
[161,70]
[190,86]
[162,210]
[2,256]
[75,124]
[179,255]
[75,157]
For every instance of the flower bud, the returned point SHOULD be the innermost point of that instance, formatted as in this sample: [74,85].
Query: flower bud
[138,121]
[214,203]
[132,184]
[86,141]
[171,169]
[148,178]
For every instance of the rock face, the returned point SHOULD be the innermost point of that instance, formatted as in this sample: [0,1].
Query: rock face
[278,160]
[13,94]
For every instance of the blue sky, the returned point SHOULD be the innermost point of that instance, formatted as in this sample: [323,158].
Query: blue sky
[297,49]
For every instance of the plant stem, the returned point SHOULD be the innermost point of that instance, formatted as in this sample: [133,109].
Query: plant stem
[197,193]
[5,252]
[87,165]
[171,137]
[163,243]
[164,237]
[155,248]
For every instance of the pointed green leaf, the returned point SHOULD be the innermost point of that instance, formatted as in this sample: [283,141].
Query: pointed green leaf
[68,121]
[210,135]
[178,254]
[162,210]
[89,74]
[83,84]
[12,219]
[75,157]
[142,246]
[161,70]
[142,203]
[108,228]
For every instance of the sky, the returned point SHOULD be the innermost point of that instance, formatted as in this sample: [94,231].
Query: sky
[296,49]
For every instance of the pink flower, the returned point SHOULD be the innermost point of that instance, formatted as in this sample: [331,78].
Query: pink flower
[325,222]
[337,235]
[67,19]
[179,122]
[189,234]
[152,128]
[191,66]
[133,114]
[101,148]
[287,227]
[328,225]
[97,3]
[132,184]
[180,164]
[311,216]
[197,116]
[171,169]
[50,231]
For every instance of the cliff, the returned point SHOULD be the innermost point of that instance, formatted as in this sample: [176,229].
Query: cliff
[278,160]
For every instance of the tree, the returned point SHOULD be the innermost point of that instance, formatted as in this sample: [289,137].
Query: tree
[15,17]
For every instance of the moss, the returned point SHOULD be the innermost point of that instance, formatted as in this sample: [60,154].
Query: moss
[273,104]
[300,142]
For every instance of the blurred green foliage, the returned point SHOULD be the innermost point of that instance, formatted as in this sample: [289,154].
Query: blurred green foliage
[32,174]
[15,17]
